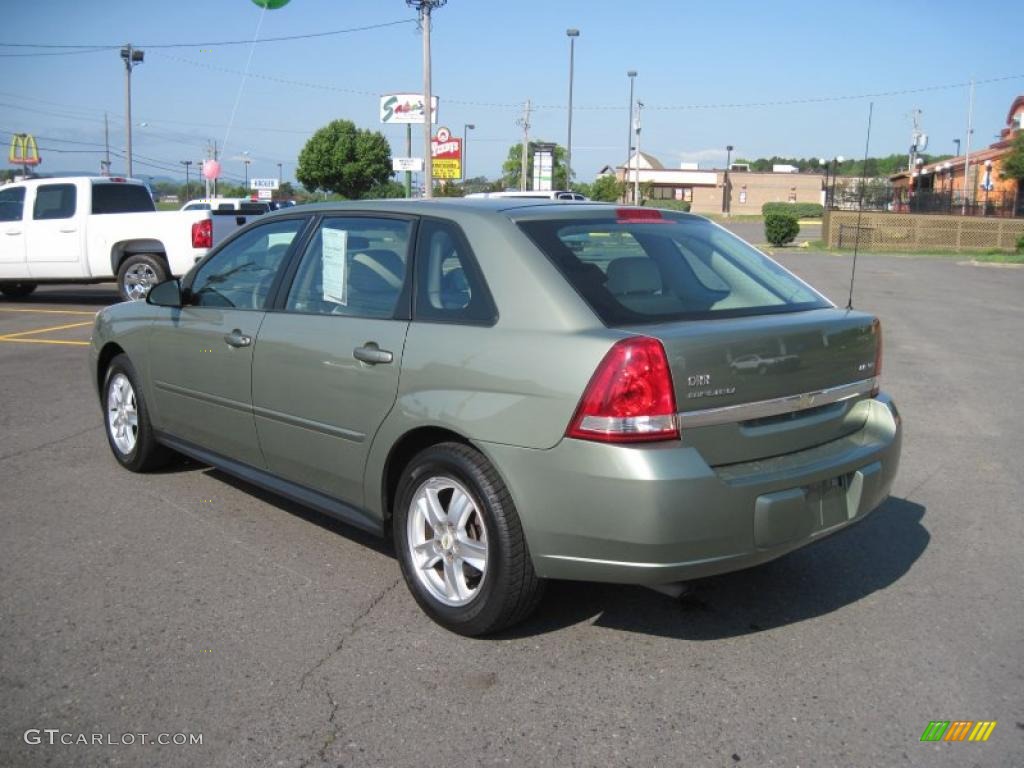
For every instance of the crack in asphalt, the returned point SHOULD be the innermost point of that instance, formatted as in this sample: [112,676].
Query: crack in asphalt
[349,631]
[353,627]
[40,447]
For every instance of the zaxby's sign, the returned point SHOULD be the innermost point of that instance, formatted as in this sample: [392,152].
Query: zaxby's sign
[405,108]
[446,151]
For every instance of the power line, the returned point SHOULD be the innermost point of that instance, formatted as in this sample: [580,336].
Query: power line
[281,39]
[54,53]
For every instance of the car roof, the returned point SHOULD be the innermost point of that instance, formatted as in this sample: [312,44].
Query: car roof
[513,207]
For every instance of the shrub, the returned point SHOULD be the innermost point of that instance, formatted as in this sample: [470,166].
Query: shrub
[672,205]
[796,210]
[780,228]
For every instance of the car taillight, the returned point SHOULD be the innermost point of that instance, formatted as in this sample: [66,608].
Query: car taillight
[876,331]
[630,397]
[202,234]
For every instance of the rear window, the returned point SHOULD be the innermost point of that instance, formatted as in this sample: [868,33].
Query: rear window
[673,268]
[115,197]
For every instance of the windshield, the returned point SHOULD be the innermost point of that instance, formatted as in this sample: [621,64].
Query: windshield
[661,269]
[117,197]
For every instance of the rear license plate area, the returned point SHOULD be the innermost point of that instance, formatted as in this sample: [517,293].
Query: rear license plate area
[829,500]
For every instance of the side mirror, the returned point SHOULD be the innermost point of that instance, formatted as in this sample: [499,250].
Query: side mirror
[165,294]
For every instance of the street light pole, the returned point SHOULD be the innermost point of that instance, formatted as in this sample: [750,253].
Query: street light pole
[572,35]
[631,74]
[279,177]
[188,189]
[636,179]
[132,57]
[957,142]
[424,8]
[835,172]
[727,192]
[466,128]
[824,163]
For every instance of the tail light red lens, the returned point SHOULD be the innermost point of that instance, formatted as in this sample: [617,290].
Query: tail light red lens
[202,234]
[876,330]
[639,216]
[630,398]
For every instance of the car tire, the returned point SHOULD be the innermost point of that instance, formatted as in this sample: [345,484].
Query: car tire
[126,420]
[442,563]
[17,290]
[139,273]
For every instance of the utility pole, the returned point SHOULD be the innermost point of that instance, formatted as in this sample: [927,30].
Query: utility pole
[279,177]
[132,57]
[188,189]
[466,128]
[636,179]
[572,34]
[105,164]
[915,139]
[424,8]
[967,153]
[524,121]
[727,190]
[631,74]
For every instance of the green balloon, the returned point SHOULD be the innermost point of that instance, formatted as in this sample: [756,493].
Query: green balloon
[271,5]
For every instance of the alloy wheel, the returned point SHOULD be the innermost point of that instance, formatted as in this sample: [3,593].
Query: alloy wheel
[122,414]
[447,540]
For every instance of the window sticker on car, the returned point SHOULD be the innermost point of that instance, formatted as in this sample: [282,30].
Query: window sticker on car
[332,258]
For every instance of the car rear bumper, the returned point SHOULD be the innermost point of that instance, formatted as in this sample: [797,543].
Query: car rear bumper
[655,514]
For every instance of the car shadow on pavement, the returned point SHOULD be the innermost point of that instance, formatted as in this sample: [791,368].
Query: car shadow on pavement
[72,297]
[309,514]
[805,584]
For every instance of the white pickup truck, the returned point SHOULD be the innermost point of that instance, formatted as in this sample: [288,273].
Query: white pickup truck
[95,229]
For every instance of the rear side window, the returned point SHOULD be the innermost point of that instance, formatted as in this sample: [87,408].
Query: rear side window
[353,266]
[12,203]
[197,207]
[660,269]
[449,285]
[114,197]
[54,201]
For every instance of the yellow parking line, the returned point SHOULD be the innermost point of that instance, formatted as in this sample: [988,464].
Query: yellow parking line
[43,341]
[10,336]
[50,311]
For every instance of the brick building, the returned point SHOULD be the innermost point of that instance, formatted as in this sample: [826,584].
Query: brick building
[941,187]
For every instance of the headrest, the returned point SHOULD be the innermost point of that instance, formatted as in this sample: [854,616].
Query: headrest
[635,274]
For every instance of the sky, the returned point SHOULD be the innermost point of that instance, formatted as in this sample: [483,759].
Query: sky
[709,73]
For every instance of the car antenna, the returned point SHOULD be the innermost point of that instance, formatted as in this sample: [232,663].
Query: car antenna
[860,205]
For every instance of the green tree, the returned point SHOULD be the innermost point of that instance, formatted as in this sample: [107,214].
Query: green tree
[346,160]
[1012,166]
[386,189]
[607,189]
[512,167]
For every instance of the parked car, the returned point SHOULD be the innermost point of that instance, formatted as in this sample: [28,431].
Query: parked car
[554,194]
[244,204]
[508,407]
[95,229]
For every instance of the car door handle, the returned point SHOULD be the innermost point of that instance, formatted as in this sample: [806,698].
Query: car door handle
[69,230]
[237,339]
[13,232]
[372,354]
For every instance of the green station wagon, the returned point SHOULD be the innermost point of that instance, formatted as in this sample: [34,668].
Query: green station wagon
[513,391]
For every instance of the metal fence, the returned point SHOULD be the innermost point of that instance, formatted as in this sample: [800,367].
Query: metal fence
[880,195]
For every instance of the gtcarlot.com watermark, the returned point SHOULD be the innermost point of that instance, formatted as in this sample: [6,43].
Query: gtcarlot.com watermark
[53,736]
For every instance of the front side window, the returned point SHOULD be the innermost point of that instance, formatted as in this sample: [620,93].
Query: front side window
[54,201]
[352,266]
[449,285]
[666,267]
[241,274]
[12,203]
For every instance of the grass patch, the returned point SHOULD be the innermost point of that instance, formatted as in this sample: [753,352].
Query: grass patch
[999,257]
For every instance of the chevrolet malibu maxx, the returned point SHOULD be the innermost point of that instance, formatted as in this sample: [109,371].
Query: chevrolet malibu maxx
[512,391]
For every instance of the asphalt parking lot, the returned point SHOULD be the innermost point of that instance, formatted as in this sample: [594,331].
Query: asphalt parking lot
[186,601]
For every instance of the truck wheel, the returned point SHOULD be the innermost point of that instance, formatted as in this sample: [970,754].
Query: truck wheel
[460,543]
[17,290]
[139,273]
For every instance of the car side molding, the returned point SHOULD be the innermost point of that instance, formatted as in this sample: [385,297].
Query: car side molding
[346,513]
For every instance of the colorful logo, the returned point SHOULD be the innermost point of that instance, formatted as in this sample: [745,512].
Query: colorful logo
[24,150]
[958,730]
